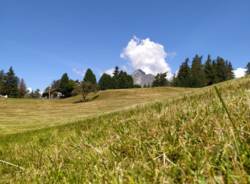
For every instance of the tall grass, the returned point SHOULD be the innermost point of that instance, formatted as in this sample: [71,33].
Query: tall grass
[198,138]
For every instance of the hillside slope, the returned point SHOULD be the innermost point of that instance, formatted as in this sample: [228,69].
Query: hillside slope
[185,140]
[19,115]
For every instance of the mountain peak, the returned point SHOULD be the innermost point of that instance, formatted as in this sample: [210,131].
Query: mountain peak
[142,79]
[139,71]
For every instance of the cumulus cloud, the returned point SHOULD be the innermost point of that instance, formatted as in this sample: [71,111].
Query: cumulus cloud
[146,55]
[240,72]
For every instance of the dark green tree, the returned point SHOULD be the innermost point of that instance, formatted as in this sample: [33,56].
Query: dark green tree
[197,72]
[10,86]
[124,80]
[116,71]
[66,86]
[160,80]
[90,77]
[106,82]
[2,78]
[210,72]
[116,77]
[22,89]
[174,81]
[183,78]
[248,69]
[221,70]
[230,73]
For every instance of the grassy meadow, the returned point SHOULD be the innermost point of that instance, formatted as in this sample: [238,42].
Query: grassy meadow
[196,137]
[19,115]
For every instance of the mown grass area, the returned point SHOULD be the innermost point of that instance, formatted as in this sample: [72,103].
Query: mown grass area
[19,115]
[186,140]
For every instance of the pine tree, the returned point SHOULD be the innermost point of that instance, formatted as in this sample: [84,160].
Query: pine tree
[116,71]
[183,78]
[10,86]
[221,70]
[174,81]
[90,77]
[230,73]
[248,69]
[22,89]
[209,71]
[197,72]
[106,82]
[2,77]
[66,86]
[124,80]
[116,77]
[160,80]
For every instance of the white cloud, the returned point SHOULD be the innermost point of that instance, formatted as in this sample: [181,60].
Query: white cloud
[240,72]
[110,71]
[146,55]
[79,72]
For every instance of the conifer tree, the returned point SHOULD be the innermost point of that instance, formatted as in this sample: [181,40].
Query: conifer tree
[174,81]
[90,77]
[10,86]
[248,69]
[230,73]
[197,72]
[116,77]
[2,77]
[106,82]
[160,80]
[66,86]
[116,71]
[22,89]
[209,71]
[124,80]
[183,78]
[221,70]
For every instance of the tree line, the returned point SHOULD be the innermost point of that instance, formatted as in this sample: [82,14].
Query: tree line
[67,87]
[198,73]
[201,74]
[14,87]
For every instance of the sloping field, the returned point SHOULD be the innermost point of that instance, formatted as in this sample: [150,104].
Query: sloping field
[18,115]
[193,139]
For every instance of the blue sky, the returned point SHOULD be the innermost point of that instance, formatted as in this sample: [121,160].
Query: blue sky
[43,39]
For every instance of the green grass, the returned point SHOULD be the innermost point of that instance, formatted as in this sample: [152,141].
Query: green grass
[203,137]
[19,115]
